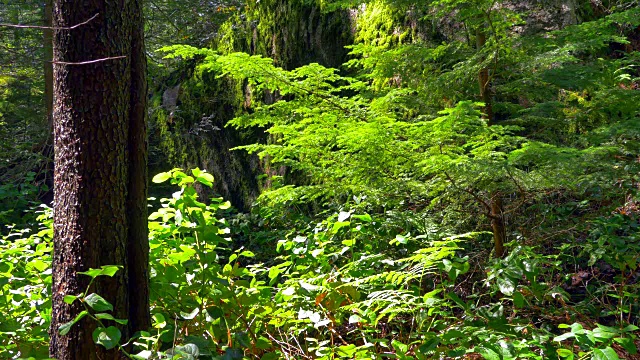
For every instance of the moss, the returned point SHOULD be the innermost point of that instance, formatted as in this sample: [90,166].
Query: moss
[387,25]
[193,133]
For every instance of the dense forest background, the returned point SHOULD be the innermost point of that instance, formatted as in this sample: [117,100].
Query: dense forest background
[386,179]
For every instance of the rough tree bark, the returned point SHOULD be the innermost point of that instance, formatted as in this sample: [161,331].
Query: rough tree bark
[100,214]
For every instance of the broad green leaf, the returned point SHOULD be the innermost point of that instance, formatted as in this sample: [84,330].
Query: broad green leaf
[628,344]
[69,299]
[604,354]
[159,321]
[565,354]
[339,225]
[363,217]
[98,303]
[247,253]
[39,265]
[189,349]
[110,270]
[603,333]
[400,347]
[401,239]
[109,337]
[518,300]
[347,350]
[487,353]
[162,177]
[190,315]
[107,270]
[564,336]
[205,178]
[506,285]
[64,328]
[349,243]
[344,215]
[143,355]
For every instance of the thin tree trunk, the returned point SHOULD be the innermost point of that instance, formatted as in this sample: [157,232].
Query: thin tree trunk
[483,79]
[497,218]
[497,225]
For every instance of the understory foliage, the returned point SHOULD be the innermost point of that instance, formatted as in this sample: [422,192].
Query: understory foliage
[352,285]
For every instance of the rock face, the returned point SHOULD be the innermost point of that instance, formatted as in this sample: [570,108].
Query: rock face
[189,115]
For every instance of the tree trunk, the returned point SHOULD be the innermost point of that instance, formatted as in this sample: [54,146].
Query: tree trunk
[497,219]
[483,79]
[100,215]
[497,225]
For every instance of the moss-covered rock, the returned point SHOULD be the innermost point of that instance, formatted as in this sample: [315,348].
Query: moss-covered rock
[190,110]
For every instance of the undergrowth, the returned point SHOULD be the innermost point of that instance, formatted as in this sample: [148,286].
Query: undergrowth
[342,287]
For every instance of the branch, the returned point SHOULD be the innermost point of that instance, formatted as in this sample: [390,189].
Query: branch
[87,62]
[49,27]
[475,196]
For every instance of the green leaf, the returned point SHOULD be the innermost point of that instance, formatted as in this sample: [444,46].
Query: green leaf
[105,316]
[191,315]
[186,254]
[400,347]
[247,253]
[159,321]
[364,217]
[565,354]
[205,179]
[162,177]
[109,337]
[107,270]
[518,300]
[98,303]
[189,349]
[564,336]
[604,354]
[64,328]
[143,355]
[506,286]
[349,243]
[488,353]
[603,333]
[347,350]
[344,215]
[627,344]
[38,264]
[401,239]
[69,299]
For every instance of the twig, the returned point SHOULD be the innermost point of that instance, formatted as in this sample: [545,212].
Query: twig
[49,27]
[88,62]
[475,196]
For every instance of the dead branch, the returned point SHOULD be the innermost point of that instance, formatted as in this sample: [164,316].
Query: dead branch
[49,27]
